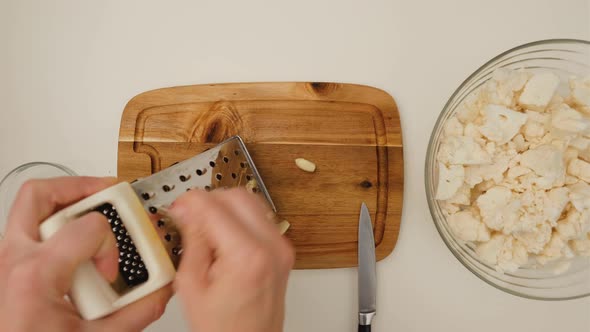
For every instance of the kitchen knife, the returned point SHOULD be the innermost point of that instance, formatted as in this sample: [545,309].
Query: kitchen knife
[367,280]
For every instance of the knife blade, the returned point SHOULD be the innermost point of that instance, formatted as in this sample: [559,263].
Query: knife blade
[367,280]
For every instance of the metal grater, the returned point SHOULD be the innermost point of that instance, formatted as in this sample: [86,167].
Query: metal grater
[149,244]
[226,165]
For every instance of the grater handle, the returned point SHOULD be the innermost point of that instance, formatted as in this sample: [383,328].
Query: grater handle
[93,296]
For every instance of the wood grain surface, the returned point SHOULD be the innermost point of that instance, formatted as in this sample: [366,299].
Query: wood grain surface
[351,132]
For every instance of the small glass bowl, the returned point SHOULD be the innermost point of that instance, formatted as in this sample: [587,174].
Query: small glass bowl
[11,183]
[565,57]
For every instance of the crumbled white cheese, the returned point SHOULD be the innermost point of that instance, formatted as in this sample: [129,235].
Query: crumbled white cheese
[467,227]
[517,171]
[515,167]
[580,89]
[579,169]
[462,150]
[449,180]
[582,246]
[462,196]
[494,171]
[579,144]
[567,120]
[580,196]
[538,91]
[504,252]
[501,123]
[519,143]
[555,249]
[448,208]
[554,203]
[574,225]
[535,238]
[453,127]
[498,206]
[547,162]
[467,112]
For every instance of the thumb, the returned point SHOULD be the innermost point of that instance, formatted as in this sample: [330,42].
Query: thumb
[79,241]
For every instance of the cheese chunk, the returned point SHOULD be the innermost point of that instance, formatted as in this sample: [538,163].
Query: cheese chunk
[580,196]
[536,238]
[567,120]
[538,91]
[467,227]
[449,180]
[501,124]
[582,246]
[580,91]
[547,162]
[453,127]
[506,253]
[579,169]
[498,207]
[462,150]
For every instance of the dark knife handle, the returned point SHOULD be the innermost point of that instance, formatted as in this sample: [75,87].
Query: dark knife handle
[364,328]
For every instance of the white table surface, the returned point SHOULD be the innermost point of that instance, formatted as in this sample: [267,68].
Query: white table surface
[67,68]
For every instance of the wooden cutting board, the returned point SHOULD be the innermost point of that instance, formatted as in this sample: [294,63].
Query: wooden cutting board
[351,132]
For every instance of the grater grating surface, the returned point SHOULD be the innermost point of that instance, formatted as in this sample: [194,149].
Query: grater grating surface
[225,165]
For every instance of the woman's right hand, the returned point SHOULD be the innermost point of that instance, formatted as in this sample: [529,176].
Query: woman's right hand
[235,264]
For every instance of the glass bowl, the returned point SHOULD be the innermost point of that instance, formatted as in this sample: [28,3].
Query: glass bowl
[11,183]
[565,57]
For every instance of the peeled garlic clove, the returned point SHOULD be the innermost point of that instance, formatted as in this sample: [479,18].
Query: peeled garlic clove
[283,226]
[305,165]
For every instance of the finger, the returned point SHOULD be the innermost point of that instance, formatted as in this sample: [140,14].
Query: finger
[137,315]
[198,214]
[107,259]
[206,227]
[76,242]
[251,210]
[193,271]
[39,199]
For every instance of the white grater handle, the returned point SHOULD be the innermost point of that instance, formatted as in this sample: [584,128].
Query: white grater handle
[92,295]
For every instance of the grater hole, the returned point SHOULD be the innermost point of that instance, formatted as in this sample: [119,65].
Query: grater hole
[212,163]
[184,178]
[168,237]
[234,175]
[128,257]
[145,196]
[176,251]
[207,188]
[248,177]
[243,164]
[200,172]
[218,176]
[167,188]
[152,210]
[160,223]
[226,160]
[237,152]
[255,190]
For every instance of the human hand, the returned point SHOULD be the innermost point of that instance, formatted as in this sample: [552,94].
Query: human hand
[235,264]
[35,276]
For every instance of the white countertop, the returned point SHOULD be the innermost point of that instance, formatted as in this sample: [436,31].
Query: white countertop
[67,68]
